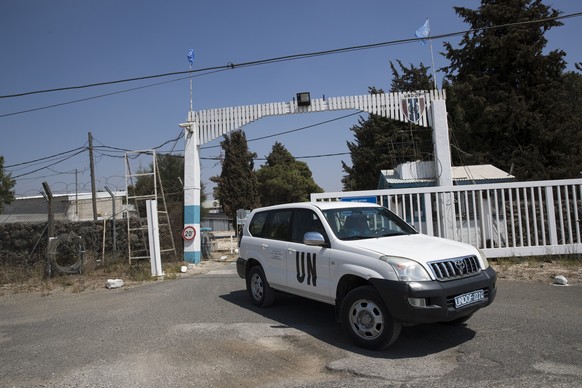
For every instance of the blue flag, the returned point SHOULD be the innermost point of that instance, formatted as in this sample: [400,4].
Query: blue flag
[191,56]
[423,32]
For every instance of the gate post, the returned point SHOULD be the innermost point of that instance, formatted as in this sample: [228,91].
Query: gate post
[442,144]
[192,189]
[442,159]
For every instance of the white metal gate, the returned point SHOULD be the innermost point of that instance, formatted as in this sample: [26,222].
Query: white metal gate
[503,220]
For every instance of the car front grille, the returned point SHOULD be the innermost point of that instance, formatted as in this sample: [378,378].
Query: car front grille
[457,268]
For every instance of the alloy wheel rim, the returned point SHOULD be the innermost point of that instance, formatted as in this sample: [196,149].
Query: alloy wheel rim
[257,287]
[366,319]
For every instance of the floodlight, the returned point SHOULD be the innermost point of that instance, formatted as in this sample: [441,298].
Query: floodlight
[303,99]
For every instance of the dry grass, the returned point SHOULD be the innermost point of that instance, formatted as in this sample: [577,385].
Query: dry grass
[27,279]
[542,269]
[93,276]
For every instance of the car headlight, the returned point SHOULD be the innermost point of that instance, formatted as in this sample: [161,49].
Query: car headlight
[407,270]
[484,260]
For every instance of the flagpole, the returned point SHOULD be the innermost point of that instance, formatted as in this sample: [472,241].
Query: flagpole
[424,33]
[191,61]
[191,106]
[432,61]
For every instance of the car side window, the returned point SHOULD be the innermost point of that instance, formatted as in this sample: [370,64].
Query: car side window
[279,225]
[305,221]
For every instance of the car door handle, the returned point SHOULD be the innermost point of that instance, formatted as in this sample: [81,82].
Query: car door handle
[291,251]
[264,246]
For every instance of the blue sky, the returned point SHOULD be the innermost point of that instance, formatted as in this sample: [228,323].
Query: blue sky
[54,44]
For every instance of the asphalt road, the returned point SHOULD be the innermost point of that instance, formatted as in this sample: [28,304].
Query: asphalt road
[203,331]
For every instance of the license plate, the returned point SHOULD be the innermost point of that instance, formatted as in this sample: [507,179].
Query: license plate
[469,298]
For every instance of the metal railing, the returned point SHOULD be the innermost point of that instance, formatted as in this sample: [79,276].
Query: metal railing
[503,220]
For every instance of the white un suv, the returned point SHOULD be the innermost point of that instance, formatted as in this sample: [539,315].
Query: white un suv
[372,266]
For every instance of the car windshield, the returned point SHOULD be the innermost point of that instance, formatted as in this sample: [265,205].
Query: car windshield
[365,222]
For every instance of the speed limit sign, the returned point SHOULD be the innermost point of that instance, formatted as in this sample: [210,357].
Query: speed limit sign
[189,233]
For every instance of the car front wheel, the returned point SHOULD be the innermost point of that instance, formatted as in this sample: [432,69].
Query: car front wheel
[366,319]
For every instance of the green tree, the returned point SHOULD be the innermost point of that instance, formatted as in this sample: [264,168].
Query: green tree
[283,179]
[236,187]
[6,185]
[382,143]
[507,101]
[567,154]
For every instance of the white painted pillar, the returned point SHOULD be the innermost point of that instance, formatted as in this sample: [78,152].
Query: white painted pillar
[192,188]
[442,144]
[442,159]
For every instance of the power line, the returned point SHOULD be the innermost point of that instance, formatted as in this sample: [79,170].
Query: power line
[47,157]
[52,164]
[174,140]
[291,57]
[75,152]
[99,96]
[83,99]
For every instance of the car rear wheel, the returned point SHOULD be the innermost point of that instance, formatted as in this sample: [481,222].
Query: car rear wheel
[258,288]
[367,320]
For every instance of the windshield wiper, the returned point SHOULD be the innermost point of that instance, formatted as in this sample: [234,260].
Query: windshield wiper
[389,234]
[358,237]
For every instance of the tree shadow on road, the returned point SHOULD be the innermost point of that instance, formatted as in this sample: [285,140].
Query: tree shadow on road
[318,320]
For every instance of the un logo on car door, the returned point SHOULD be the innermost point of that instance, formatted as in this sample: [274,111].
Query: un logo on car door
[301,259]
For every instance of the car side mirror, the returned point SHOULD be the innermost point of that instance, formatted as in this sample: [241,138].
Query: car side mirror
[314,239]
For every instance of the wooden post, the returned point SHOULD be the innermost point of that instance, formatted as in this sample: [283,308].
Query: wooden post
[50,227]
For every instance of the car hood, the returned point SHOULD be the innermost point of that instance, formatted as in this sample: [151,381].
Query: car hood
[417,247]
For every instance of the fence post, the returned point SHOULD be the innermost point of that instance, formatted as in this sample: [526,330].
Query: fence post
[551,216]
[428,214]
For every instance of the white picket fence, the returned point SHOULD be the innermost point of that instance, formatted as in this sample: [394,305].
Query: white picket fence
[503,220]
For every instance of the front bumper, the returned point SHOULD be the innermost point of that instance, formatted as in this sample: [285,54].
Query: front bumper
[439,297]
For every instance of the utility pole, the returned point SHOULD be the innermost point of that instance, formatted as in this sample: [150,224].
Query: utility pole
[92,166]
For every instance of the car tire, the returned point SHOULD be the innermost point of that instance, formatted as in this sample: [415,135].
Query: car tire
[258,288]
[367,320]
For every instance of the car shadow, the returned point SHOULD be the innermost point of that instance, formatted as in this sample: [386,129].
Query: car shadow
[318,320]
